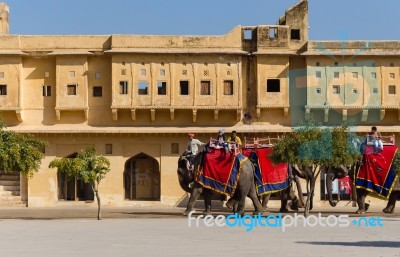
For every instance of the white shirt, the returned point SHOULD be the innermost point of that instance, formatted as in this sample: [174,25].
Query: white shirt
[193,146]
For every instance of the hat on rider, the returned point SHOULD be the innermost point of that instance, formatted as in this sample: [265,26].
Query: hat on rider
[222,131]
[191,135]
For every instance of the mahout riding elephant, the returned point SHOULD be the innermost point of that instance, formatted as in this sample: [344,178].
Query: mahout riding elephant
[245,185]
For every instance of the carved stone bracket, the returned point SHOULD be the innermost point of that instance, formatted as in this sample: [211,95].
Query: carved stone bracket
[133,114]
[326,115]
[285,112]
[383,112]
[58,114]
[19,115]
[344,115]
[194,115]
[258,113]
[153,115]
[364,115]
[238,114]
[308,112]
[216,114]
[172,113]
[86,113]
[114,114]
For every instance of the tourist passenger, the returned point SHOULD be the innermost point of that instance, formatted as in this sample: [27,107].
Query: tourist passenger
[375,136]
[221,140]
[235,138]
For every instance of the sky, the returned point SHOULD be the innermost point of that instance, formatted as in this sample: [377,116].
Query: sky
[328,20]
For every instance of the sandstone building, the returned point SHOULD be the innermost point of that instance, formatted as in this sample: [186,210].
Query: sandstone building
[135,97]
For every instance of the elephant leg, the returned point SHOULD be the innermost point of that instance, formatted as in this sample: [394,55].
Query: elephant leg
[294,205]
[193,197]
[362,206]
[231,203]
[207,202]
[392,202]
[258,208]
[284,199]
[245,189]
[301,202]
[265,199]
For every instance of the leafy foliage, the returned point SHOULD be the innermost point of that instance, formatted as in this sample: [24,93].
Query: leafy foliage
[19,153]
[87,166]
[396,162]
[310,144]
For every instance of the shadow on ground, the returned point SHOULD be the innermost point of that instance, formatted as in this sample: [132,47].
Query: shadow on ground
[390,244]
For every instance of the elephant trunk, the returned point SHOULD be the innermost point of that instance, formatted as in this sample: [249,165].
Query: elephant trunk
[329,179]
[183,182]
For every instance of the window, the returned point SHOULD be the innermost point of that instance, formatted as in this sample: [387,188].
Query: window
[123,71]
[391,75]
[46,90]
[273,33]
[71,89]
[162,73]
[228,72]
[392,90]
[317,64]
[97,75]
[184,72]
[336,90]
[373,75]
[336,74]
[72,74]
[355,91]
[205,88]
[97,91]
[228,87]
[3,89]
[143,72]
[162,88]
[318,91]
[355,75]
[109,149]
[375,90]
[295,34]
[206,73]
[143,87]
[273,85]
[175,148]
[123,87]
[318,74]
[248,34]
[184,87]
[46,74]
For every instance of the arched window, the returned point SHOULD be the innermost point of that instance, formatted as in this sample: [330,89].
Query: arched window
[142,178]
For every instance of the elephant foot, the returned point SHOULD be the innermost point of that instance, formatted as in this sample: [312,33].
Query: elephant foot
[284,210]
[294,206]
[206,212]
[186,212]
[256,212]
[360,211]
[229,204]
[389,209]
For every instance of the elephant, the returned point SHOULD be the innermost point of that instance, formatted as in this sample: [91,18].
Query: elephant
[341,172]
[245,186]
[297,202]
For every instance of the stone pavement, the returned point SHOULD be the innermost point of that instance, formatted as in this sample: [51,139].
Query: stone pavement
[140,232]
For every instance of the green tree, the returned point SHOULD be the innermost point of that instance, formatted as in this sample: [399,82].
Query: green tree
[313,147]
[87,166]
[19,153]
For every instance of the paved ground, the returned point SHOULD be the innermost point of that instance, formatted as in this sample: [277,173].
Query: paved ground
[142,232]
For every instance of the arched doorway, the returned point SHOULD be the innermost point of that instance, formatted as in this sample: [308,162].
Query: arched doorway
[72,189]
[142,178]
